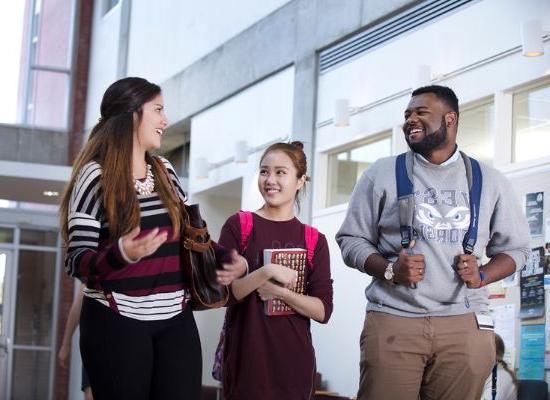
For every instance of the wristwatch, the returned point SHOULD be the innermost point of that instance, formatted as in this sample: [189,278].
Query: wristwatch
[388,273]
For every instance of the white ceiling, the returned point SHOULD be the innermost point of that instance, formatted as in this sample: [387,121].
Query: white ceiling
[26,182]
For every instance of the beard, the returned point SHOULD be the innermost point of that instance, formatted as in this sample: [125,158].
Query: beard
[430,141]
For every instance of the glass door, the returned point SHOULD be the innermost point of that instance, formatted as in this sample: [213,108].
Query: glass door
[28,287]
[33,325]
[6,274]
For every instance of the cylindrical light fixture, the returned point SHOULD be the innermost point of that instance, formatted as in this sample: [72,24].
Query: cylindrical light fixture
[531,38]
[241,151]
[422,76]
[341,112]
[202,168]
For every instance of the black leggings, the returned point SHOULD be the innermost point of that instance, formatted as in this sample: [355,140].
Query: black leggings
[140,360]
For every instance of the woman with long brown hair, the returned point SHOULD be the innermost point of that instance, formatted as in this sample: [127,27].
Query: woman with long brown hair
[121,219]
[506,384]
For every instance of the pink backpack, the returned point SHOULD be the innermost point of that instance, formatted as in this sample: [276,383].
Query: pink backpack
[246,220]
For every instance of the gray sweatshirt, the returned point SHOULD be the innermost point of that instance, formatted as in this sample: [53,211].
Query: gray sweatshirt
[441,218]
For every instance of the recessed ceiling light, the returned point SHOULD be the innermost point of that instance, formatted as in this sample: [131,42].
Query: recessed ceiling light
[50,193]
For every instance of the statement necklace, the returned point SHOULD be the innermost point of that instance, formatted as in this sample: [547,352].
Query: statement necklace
[146,186]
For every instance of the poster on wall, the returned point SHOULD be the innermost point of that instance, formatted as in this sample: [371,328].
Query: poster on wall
[532,285]
[547,334]
[534,211]
[511,280]
[531,354]
[496,290]
[504,317]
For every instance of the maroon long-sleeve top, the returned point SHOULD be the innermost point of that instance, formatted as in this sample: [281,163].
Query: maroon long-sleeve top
[272,357]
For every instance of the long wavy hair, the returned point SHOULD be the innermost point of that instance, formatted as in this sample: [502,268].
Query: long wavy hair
[110,145]
[499,346]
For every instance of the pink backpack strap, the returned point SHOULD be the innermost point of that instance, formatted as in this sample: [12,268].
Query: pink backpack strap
[245,218]
[312,235]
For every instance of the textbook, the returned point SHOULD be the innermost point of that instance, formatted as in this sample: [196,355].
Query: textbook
[295,259]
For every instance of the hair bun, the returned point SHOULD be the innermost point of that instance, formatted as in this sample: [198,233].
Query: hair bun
[297,144]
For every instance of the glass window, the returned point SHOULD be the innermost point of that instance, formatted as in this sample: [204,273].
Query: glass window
[531,124]
[38,237]
[12,21]
[41,110]
[108,5]
[475,132]
[30,377]
[4,303]
[346,167]
[38,61]
[6,235]
[34,304]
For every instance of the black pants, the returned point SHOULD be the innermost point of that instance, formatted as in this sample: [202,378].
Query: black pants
[140,360]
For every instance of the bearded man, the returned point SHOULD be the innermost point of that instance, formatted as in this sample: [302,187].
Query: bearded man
[427,333]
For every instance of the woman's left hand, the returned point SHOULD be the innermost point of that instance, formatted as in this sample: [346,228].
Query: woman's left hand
[234,268]
[269,291]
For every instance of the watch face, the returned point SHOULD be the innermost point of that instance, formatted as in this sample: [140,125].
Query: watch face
[388,274]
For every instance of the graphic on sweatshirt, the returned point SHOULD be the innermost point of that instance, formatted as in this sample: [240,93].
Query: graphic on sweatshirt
[441,215]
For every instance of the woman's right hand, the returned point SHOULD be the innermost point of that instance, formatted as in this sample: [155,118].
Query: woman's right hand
[64,354]
[284,275]
[135,249]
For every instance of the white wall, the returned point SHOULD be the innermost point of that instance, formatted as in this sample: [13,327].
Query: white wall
[337,343]
[374,79]
[447,47]
[259,114]
[103,58]
[169,35]
[166,36]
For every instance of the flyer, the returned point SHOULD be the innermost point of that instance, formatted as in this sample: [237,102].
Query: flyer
[504,317]
[531,359]
[532,285]
[534,212]
[547,335]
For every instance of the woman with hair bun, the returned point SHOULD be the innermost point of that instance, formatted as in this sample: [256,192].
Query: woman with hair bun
[271,357]
[506,380]
[121,218]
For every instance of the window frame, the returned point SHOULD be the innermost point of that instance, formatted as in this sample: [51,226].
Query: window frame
[531,86]
[348,147]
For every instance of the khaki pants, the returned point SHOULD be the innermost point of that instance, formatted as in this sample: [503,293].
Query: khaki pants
[431,358]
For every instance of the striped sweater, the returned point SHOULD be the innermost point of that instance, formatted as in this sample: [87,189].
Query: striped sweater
[153,288]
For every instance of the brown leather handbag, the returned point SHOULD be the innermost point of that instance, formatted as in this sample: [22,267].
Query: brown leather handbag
[197,256]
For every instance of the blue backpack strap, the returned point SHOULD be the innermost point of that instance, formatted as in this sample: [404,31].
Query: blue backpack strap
[475,183]
[405,197]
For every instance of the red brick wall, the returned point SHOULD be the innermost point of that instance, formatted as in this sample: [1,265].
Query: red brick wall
[76,132]
[80,82]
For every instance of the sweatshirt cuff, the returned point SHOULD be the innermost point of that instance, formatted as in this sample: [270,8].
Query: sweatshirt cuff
[520,257]
[362,257]
[124,255]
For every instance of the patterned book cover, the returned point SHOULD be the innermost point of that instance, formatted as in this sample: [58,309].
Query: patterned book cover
[295,259]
